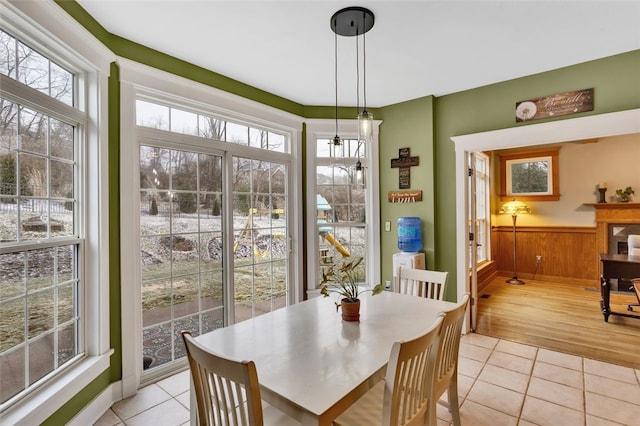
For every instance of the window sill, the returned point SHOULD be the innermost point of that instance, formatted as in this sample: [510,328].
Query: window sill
[42,403]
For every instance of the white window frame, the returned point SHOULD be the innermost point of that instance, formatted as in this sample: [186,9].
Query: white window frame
[348,129]
[137,79]
[48,29]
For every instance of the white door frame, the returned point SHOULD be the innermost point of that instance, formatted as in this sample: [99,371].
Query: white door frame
[472,228]
[593,126]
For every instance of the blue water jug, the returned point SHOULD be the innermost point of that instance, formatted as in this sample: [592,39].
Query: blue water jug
[409,234]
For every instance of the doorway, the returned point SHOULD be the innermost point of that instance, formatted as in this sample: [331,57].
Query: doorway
[602,125]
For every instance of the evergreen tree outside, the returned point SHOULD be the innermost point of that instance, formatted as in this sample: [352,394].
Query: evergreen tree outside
[215,210]
[9,179]
[153,210]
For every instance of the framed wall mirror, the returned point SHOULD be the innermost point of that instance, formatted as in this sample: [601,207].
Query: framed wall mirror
[530,175]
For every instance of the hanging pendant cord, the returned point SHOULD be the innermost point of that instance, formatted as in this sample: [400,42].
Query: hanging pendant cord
[364,65]
[335,50]
[357,74]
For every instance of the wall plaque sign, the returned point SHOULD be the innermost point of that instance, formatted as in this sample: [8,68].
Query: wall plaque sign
[404,196]
[403,163]
[555,105]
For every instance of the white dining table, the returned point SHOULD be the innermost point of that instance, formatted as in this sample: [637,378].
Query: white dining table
[311,364]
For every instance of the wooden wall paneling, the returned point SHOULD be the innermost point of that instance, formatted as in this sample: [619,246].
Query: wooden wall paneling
[486,273]
[567,252]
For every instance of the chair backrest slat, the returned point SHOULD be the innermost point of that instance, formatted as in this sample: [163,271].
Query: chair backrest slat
[422,282]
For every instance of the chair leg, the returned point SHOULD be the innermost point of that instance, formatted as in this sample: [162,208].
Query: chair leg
[454,405]
[430,418]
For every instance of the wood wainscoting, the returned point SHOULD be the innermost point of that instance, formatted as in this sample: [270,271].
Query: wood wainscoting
[569,254]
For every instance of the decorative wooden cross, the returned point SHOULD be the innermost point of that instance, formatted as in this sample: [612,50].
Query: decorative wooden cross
[403,163]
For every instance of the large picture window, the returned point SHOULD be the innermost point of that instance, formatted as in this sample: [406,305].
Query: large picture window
[214,225]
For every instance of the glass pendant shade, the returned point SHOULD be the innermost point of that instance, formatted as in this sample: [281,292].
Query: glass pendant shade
[365,125]
[359,174]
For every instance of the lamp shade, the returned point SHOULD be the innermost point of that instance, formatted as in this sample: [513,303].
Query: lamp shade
[514,208]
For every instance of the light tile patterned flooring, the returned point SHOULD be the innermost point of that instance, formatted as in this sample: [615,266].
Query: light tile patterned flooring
[499,383]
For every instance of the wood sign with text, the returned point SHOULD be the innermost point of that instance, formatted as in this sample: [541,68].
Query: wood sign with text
[404,196]
[555,105]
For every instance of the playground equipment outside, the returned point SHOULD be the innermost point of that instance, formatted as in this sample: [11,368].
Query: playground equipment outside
[323,206]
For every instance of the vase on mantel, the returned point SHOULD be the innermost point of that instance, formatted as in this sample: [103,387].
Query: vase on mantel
[350,309]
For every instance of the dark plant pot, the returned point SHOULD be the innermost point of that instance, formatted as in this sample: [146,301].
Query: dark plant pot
[350,310]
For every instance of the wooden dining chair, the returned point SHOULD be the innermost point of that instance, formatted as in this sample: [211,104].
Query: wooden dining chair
[402,398]
[227,391]
[446,363]
[421,282]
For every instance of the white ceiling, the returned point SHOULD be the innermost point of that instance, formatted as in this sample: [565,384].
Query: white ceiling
[416,48]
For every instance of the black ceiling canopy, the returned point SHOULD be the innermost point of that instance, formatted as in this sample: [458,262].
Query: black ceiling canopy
[352,21]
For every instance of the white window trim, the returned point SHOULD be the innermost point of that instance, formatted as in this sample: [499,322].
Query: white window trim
[325,129]
[137,78]
[45,26]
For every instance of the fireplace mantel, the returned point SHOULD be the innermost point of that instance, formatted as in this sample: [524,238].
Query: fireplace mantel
[612,213]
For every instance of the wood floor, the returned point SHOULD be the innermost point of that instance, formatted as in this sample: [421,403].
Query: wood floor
[560,317]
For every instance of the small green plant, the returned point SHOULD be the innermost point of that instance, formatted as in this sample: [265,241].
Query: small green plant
[343,280]
[625,196]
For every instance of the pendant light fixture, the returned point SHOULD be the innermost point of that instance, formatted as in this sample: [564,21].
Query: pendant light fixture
[356,21]
[336,139]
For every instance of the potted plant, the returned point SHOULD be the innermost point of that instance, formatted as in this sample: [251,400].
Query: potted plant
[625,196]
[343,280]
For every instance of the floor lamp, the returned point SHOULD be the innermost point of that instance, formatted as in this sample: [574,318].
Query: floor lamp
[514,208]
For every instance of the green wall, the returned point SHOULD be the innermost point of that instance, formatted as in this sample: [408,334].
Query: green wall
[424,125]
[407,125]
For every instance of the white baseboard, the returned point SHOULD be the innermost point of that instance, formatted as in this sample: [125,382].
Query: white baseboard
[100,404]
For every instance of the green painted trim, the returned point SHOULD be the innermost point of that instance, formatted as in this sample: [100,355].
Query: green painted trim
[78,13]
[346,113]
[76,404]
[153,58]
[115,304]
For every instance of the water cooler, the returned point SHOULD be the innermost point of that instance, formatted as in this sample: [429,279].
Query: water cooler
[409,242]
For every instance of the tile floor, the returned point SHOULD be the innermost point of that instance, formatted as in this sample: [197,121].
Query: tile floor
[499,383]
